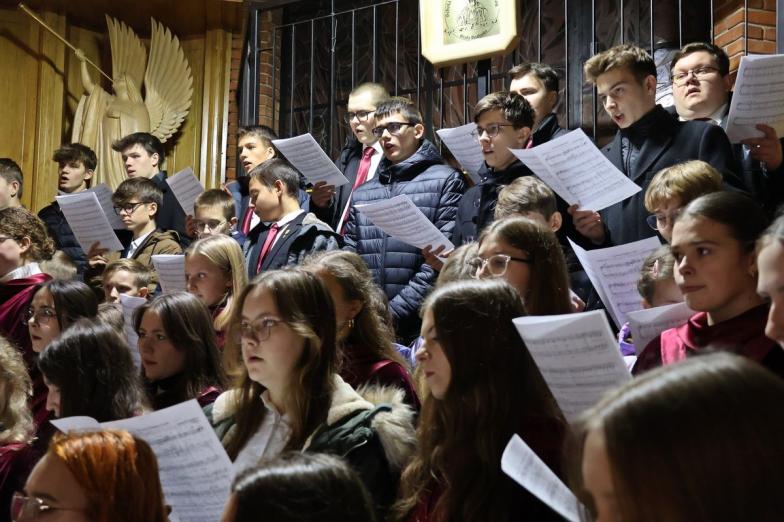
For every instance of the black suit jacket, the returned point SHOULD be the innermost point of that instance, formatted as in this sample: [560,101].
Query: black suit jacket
[170,215]
[669,142]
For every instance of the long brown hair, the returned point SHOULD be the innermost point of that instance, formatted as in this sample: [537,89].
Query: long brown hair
[494,390]
[548,292]
[370,330]
[696,441]
[16,421]
[305,305]
[117,472]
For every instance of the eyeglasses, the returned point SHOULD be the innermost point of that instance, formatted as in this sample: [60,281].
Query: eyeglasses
[212,224]
[24,508]
[491,130]
[128,208]
[394,128]
[42,316]
[359,115]
[700,73]
[496,265]
[257,331]
[662,221]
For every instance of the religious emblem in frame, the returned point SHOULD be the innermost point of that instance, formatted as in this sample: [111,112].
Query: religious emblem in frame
[457,31]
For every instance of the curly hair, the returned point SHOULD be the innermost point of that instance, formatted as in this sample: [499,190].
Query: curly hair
[16,421]
[19,223]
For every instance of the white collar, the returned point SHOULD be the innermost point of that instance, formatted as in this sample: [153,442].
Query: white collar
[26,270]
[716,118]
[288,218]
[136,243]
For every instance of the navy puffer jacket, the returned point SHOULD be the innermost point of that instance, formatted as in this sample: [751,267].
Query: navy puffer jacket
[399,268]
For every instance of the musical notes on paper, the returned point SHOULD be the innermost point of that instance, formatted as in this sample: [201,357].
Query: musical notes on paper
[614,273]
[187,450]
[646,325]
[88,221]
[526,468]
[464,147]
[129,305]
[577,171]
[758,97]
[186,187]
[400,218]
[577,355]
[171,272]
[310,159]
[104,195]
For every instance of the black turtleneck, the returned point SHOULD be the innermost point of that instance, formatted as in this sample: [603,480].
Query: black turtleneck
[633,137]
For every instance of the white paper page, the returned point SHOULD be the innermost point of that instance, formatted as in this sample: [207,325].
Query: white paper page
[758,97]
[129,305]
[464,147]
[104,194]
[614,273]
[400,218]
[76,424]
[186,187]
[526,468]
[171,272]
[88,222]
[578,171]
[309,158]
[578,356]
[647,324]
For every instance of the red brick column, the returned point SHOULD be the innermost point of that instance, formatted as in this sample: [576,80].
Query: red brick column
[729,24]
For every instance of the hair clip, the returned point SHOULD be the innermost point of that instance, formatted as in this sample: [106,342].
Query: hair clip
[655,270]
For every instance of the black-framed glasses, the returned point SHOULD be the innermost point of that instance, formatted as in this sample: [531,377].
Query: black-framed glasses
[257,331]
[700,73]
[491,130]
[393,127]
[495,265]
[662,221]
[128,208]
[27,509]
[42,316]
[359,115]
[212,224]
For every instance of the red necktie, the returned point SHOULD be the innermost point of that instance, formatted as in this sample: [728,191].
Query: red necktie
[267,246]
[247,219]
[362,174]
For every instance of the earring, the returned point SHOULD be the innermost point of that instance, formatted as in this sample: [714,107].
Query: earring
[350,324]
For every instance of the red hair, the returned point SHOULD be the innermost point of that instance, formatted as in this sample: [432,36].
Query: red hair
[118,473]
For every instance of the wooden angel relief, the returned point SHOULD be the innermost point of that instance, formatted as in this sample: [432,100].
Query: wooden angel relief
[103,117]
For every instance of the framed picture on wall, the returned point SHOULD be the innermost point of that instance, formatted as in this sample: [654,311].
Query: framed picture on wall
[458,31]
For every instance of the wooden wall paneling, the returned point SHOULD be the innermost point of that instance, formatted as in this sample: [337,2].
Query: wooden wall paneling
[215,109]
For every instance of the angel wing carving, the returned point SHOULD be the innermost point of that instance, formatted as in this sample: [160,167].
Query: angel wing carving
[165,78]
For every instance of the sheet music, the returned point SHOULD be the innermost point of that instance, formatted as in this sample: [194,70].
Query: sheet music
[577,171]
[400,218]
[104,194]
[171,272]
[194,469]
[310,159]
[464,147]
[577,355]
[88,221]
[758,97]
[129,305]
[614,273]
[647,324]
[186,187]
[526,468]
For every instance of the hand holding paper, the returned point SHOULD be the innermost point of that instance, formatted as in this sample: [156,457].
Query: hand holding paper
[757,97]
[401,219]
[310,159]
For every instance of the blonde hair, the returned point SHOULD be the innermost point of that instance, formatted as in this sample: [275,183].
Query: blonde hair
[526,194]
[16,422]
[686,181]
[223,252]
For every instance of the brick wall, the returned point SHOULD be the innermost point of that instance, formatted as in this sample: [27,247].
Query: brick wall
[728,29]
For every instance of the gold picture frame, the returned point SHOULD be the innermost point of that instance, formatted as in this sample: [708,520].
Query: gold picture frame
[458,31]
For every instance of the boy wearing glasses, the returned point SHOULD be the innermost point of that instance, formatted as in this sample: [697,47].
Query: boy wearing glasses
[214,213]
[411,166]
[75,167]
[648,140]
[136,201]
[503,121]
[701,90]
[358,160]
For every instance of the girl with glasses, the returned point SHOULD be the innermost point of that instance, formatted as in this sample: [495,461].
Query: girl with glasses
[482,387]
[713,244]
[289,395]
[178,351]
[698,441]
[215,273]
[527,255]
[101,476]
